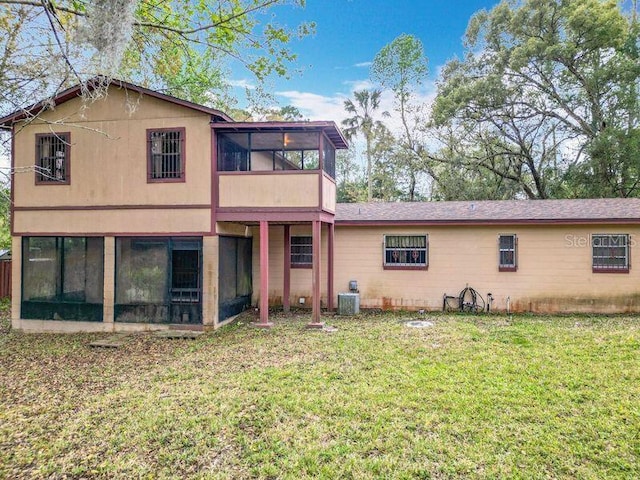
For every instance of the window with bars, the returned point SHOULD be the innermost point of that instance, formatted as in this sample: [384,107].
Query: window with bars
[301,251]
[406,252]
[166,154]
[52,158]
[507,253]
[610,253]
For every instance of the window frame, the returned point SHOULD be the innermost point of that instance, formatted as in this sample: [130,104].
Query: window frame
[607,268]
[505,267]
[183,158]
[66,139]
[392,266]
[291,252]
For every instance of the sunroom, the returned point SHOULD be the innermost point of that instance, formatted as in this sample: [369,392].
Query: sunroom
[281,165]
[280,174]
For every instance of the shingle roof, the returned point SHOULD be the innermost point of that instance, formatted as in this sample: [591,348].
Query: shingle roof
[604,210]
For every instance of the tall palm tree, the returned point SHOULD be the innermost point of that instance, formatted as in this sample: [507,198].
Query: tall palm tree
[362,122]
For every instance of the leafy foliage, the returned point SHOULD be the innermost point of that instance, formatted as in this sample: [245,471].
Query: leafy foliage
[363,122]
[546,95]
[182,47]
[545,103]
[5,217]
[401,66]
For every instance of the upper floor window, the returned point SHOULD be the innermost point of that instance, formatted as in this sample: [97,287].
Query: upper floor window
[166,155]
[406,252]
[301,251]
[507,253]
[52,158]
[610,253]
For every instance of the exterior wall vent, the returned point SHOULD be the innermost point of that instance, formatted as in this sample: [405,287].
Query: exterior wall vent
[348,303]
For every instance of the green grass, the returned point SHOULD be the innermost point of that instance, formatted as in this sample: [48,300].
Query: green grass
[471,397]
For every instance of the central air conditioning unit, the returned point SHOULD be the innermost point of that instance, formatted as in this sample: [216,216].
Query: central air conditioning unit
[348,303]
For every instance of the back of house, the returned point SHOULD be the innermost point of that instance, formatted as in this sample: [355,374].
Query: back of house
[136,210]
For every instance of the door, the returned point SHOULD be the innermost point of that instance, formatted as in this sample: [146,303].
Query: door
[186,278]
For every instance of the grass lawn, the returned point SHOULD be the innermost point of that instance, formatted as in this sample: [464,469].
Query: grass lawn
[470,397]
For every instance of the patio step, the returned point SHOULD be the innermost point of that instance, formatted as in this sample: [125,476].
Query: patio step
[112,341]
[178,334]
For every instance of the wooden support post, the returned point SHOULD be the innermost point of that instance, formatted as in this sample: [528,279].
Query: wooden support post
[286,291]
[330,238]
[264,276]
[315,283]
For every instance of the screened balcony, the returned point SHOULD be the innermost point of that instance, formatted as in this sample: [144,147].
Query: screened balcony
[273,151]
[277,165]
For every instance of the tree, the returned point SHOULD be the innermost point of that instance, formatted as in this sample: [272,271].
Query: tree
[461,177]
[387,177]
[288,113]
[546,94]
[401,66]
[5,220]
[351,185]
[181,47]
[362,122]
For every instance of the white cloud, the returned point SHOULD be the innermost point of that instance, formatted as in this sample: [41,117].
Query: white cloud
[331,108]
[316,107]
[322,107]
[355,85]
[242,83]
[363,64]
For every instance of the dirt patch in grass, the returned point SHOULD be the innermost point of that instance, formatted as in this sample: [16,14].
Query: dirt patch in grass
[469,397]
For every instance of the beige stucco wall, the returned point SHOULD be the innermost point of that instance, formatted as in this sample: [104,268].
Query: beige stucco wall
[554,269]
[108,162]
[138,221]
[269,190]
[233,229]
[210,281]
[263,161]
[328,194]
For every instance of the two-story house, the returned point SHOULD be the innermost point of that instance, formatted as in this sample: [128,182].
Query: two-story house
[139,209]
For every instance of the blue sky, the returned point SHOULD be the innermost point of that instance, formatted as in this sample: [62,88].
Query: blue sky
[335,61]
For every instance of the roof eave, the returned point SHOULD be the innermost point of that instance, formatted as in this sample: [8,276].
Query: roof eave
[75,91]
[489,222]
[328,127]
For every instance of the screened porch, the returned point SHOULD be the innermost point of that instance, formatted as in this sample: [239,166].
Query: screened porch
[276,165]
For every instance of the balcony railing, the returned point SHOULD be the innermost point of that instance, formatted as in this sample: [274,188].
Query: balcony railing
[283,189]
